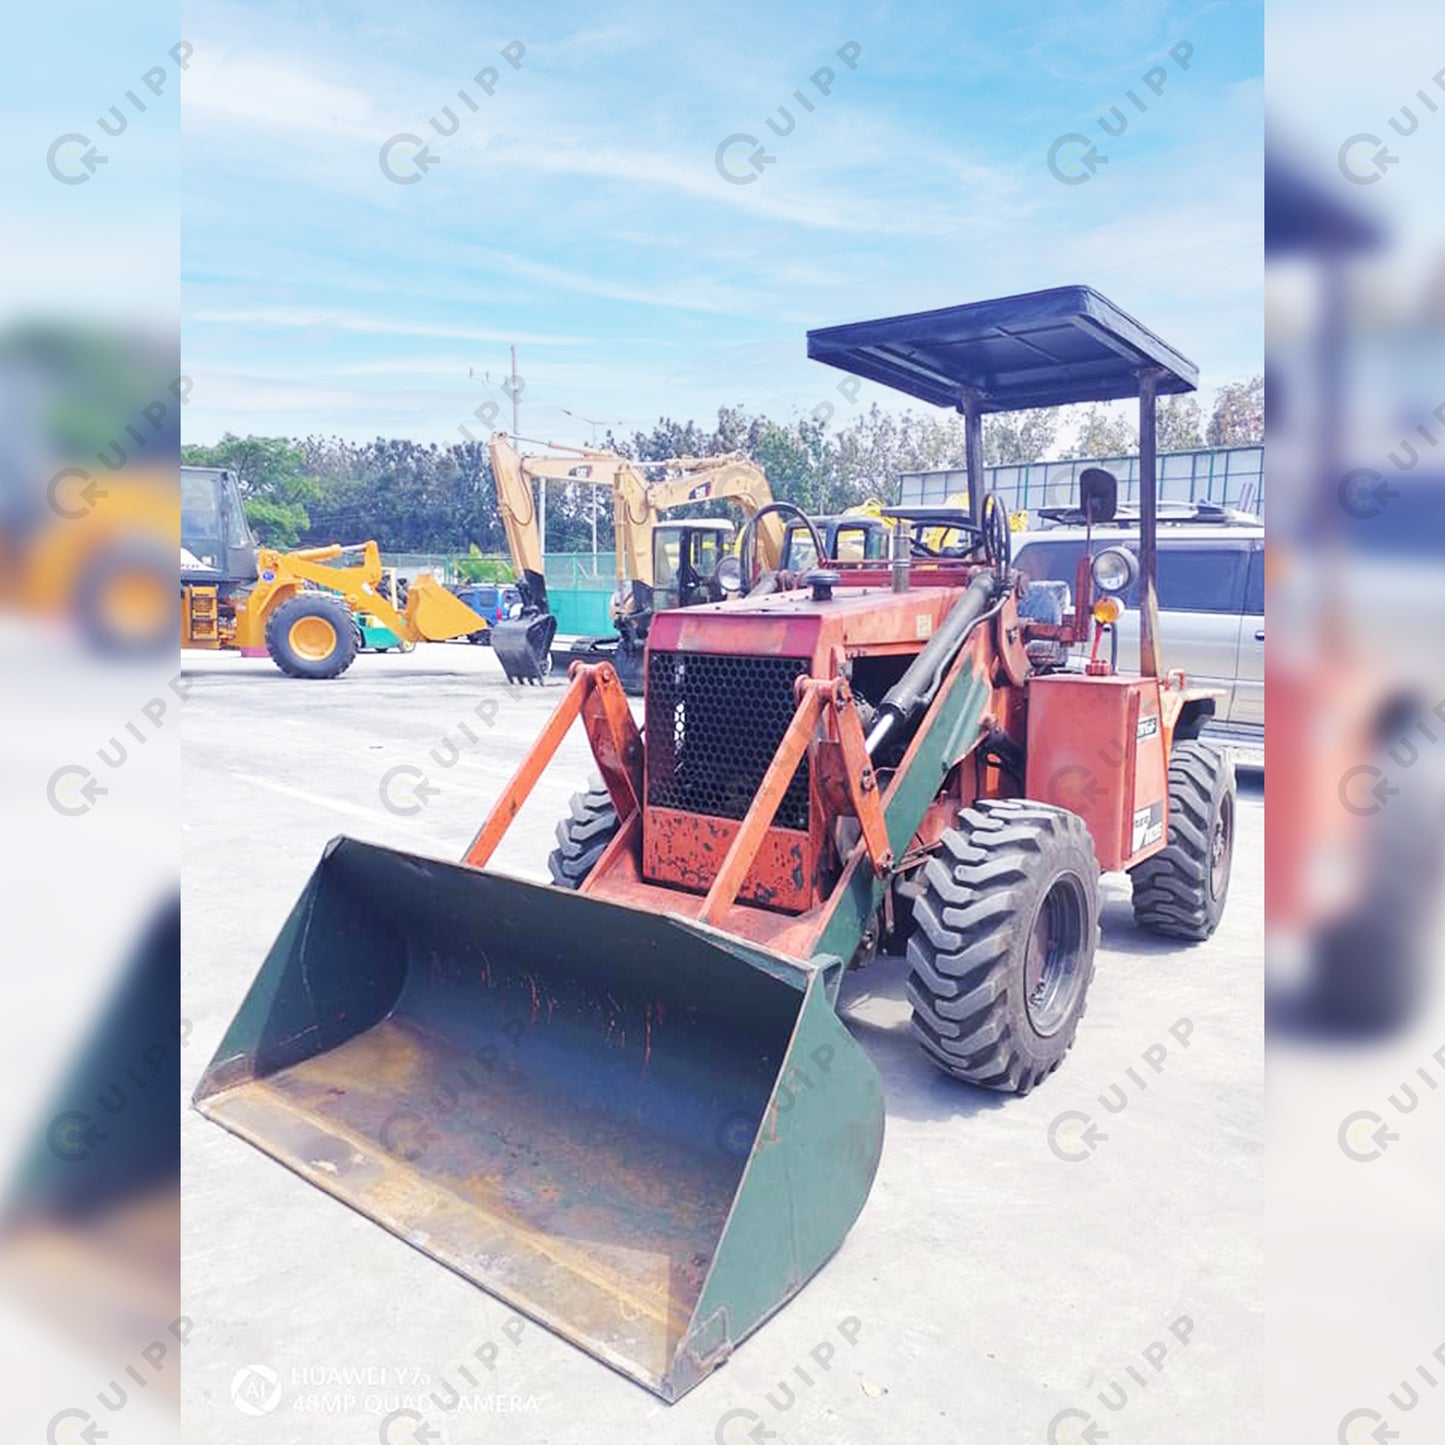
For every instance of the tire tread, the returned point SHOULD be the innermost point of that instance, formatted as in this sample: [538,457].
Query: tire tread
[961,953]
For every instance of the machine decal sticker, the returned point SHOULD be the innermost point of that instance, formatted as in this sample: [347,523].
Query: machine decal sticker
[1148,826]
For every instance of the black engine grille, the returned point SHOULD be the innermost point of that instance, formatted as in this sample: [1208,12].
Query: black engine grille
[714,723]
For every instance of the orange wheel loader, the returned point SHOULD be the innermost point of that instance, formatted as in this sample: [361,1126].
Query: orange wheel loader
[625,1103]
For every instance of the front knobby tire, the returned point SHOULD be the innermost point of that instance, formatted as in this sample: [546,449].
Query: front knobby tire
[312,635]
[1002,951]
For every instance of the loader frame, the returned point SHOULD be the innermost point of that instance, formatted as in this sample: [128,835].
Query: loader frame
[763,882]
[899,817]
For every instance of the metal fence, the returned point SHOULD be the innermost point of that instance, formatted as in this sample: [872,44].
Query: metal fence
[411,564]
[581,569]
[1231,476]
[579,589]
[563,569]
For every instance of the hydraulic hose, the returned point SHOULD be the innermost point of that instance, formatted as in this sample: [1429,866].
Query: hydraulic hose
[916,689]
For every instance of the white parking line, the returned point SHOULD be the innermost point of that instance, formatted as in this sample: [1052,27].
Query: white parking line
[350,810]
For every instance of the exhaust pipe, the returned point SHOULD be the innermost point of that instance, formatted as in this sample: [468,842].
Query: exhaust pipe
[901,556]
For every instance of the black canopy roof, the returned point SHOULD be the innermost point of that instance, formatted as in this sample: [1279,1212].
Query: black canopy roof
[1045,348]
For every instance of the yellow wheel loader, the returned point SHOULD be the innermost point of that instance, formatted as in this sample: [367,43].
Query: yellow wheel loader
[299,608]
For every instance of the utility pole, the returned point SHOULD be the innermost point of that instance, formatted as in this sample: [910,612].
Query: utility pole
[514,395]
[594,424]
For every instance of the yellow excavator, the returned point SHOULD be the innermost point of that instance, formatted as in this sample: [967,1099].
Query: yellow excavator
[662,563]
[299,608]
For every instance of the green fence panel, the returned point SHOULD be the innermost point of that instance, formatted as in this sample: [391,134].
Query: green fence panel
[580,569]
[581,612]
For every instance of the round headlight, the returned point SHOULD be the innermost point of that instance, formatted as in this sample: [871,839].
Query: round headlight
[1115,569]
[730,574]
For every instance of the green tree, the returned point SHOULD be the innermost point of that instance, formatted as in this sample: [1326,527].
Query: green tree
[1177,424]
[1238,417]
[1103,434]
[476,568]
[275,484]
[1019,436]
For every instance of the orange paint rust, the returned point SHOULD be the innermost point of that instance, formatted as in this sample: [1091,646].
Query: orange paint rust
[687,850]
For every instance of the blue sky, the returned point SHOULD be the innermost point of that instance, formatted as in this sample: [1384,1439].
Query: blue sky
[580,210]
[105,250]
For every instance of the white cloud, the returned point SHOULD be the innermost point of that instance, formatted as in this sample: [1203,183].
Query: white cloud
[271,90]
[321,319]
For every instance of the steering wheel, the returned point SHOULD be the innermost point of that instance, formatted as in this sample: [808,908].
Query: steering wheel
[972,537]
[748,542]
[997,536]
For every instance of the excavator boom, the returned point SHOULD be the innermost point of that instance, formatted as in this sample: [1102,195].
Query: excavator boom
[637,509]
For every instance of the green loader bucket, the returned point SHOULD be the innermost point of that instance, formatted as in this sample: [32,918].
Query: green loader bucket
[641,1132]
[524,646]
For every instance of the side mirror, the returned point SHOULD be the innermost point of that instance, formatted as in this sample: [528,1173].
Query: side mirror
[1098,494]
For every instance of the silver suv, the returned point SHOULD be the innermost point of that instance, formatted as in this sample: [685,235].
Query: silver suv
[1211,598]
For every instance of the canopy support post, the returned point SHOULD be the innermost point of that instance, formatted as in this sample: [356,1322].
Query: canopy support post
[968,404]
[1151,663]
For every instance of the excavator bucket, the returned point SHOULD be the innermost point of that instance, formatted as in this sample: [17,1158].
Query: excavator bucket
[639,1131]
[524,647]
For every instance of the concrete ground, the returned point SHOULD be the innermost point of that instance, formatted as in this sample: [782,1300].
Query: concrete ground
[1045,1269]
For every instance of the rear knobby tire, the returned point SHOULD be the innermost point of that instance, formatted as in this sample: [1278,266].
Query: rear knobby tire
[299,642]
[588,828]
[1002,950]
[1181,891]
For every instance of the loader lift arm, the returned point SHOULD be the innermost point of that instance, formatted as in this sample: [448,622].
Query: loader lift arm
[431,613]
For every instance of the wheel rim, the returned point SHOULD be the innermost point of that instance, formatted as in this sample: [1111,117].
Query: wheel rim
[313,638]
[1054,962]
[1221,847]
[134,606]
